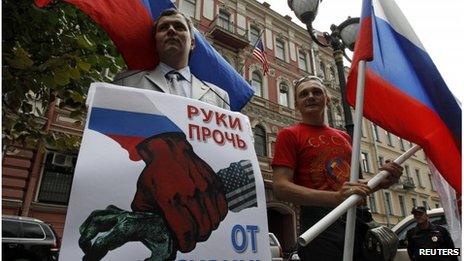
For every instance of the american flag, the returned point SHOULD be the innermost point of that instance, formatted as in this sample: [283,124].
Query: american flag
[239,184]
[259,53]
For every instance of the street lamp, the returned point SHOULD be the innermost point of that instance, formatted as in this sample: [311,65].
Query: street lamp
[342,36]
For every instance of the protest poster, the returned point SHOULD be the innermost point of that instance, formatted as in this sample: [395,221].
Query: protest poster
[163,177]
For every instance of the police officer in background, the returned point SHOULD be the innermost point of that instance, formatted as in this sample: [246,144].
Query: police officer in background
[427,236]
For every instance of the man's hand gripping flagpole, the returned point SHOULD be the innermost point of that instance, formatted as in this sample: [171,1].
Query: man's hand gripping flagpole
[330,218]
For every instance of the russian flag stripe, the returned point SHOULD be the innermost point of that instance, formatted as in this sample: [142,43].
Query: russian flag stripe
[394,65]
[208,65]
[404,92]
[410,69]
[388,11]
[363,47]
[366,9]
[156,7]
[124,123]
[129,24]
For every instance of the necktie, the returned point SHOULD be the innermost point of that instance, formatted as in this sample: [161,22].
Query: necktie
[174,86]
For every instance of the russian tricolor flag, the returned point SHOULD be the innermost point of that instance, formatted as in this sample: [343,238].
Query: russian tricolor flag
[404,92]
[129,23]
[128,117]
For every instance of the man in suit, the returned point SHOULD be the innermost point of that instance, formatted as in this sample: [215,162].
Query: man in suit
[174,41]
[174,218]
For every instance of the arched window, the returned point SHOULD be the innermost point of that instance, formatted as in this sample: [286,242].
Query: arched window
[260,140]
[283,94]
[257,83]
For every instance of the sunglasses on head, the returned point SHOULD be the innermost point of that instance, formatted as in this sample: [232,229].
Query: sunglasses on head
[296,83]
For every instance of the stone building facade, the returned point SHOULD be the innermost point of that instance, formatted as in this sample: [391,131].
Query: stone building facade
[38,184]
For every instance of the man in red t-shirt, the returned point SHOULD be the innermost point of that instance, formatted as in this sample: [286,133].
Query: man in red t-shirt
[312,167]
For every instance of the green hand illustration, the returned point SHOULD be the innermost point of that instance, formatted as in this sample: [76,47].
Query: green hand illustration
[108,229]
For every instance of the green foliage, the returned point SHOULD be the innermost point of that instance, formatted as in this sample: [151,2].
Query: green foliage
[49,53]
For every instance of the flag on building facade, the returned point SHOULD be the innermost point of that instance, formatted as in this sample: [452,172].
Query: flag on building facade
[404,92]
[258,53]
[130,25]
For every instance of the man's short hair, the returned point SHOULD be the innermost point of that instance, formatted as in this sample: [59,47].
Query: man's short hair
[173,11]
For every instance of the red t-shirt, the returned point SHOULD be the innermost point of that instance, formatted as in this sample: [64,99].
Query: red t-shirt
[319,155]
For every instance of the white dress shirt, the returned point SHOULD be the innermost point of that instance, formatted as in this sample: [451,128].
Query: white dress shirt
[185,82]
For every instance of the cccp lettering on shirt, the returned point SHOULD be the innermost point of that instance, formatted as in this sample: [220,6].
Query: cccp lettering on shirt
[325,140]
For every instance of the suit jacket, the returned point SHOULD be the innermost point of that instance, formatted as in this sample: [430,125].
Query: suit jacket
[155,80]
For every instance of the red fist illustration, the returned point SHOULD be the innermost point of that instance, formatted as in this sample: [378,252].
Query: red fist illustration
[182,185]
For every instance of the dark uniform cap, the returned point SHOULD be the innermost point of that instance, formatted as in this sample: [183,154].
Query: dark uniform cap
[418,209]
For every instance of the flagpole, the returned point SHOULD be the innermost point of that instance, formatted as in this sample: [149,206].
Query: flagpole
[352,200]
[354,174]
[250,54]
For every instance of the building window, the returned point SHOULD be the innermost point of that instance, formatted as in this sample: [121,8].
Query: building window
[257,83]
[389,138]
[283,94]
[302,63]
[365,161]
[260,141]
[322,66]
[362,130]
[330,116]
[332,74]
[57,178]
[224,20]
[406,170]
[389,203]
[402,205]
[280,49]
[414,203]
[372,203]
[419,179]
[401,141]
[424,204]
[229,61]
[381,161]
[431,182]
[188,7]
[254,34]
[375,130]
